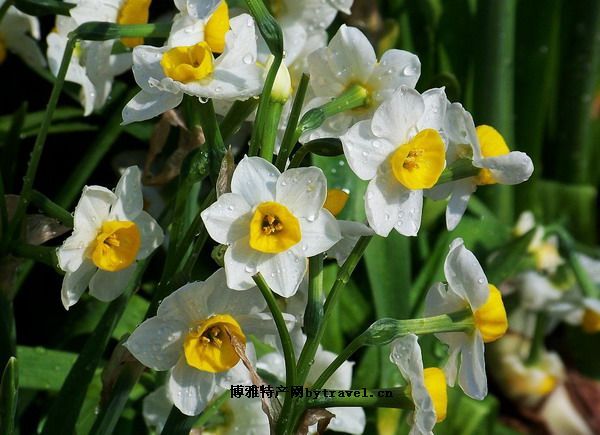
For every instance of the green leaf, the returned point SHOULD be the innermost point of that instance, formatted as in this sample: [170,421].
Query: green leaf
[506,261]
[43,369]
[9,389]
[467,416]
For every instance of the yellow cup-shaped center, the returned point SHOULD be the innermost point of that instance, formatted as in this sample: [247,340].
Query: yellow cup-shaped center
[208,346]
[335,201]
[188,64]
[492,145]
[133,12]
[116,245]
[435,382]
[590,322]
[217,27]
[419,163]
[273,228]
[490,318]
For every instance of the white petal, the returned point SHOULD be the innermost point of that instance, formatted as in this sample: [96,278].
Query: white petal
[146,105]
[74,283]
[262,326]
[185,31]
[151,234]
[147,67]
[284,272]
[364,151]
[406,354]
[434,115]
[324,82]
[318,235]
[157,343]
[348,420]
[461,192]
[190,389]
[107,286]
[512,168]
[93,208]
[471,377]
[396,68]
[28,50]
[238,374]
[228,219]
[241,262]
[224,300]
[197,8]
[341,379]
[71,254]
[273,363]
[465,275]
[188,303]
[382,202]
[156,408]
[409,215]
[351,55]
[395,118]
[351,232]
[441,300]
[254,179]
[129,201]
[302,191]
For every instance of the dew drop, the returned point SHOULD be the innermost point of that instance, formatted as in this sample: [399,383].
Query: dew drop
[248,59]
[409,70]
[480,280]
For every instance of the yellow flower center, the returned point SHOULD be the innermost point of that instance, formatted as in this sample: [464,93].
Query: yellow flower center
[116,245]
[590,322]
[547,257]
[492,145]
[419,163]
[335,201]
[188,64]
[216,28]
[490,318]
[546,386]
[208,346]
[2,50]
[133,12]
[273,228]
[435,383]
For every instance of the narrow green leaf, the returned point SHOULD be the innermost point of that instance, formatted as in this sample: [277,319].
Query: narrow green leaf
[9,389]
[11,146]
[507,259]
[43,369]
[44,7]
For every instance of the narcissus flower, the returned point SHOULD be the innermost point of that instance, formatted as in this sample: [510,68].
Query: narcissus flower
[189,66]
[92,65]
[18,33]
[272,223]
[467,288]
[350,60]
[198,333]
[111,232]
[402,153]
[488,150]
[427,387]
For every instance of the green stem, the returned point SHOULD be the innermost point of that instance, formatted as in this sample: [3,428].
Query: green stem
[271,125]
[310,348]
[9,392]
[537,343]
[289,139]
[327,147]
[314,307]
[41,254]
[51,208]
[462,168]
[385,331]
[11,146]
[40,140]
[366,398]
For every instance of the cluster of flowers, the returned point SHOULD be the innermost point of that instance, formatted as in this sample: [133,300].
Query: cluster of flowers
[271,221]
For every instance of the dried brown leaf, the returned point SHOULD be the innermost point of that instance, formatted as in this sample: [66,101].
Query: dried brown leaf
[225,173]
[121,363]
[318,416]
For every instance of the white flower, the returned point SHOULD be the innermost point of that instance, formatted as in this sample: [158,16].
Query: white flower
[92,65]
[401,152]
[467,288]
[349,60]
[272,223]
[241,415]
[194,334]
[427,386]
[165,74]
[18,33]
[351,420]
[111,232]
[488,151]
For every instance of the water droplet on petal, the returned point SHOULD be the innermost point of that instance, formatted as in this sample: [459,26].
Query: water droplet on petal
[248,59]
